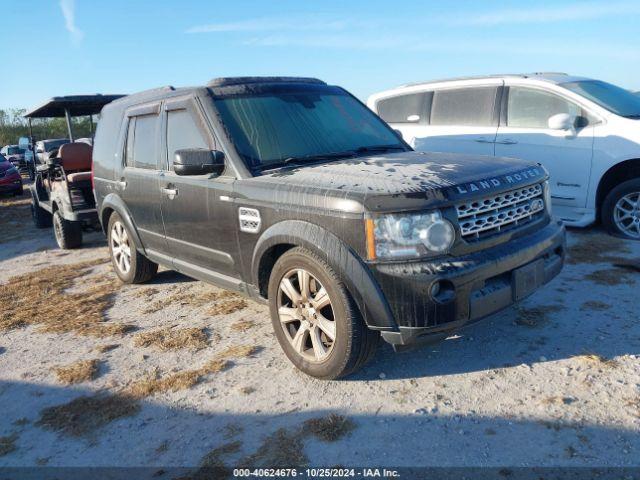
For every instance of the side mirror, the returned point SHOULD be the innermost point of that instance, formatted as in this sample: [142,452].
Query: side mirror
[198,161]
[561,121]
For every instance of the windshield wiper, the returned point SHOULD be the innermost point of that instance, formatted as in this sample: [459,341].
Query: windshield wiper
[379,148]
[321,156]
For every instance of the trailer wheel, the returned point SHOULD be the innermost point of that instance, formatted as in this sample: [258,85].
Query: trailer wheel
[68,234]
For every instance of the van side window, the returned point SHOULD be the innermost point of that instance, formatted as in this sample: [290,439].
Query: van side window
[182,132]
[411,108]
[474,107]
[144,142]
[530,108]
[128,156]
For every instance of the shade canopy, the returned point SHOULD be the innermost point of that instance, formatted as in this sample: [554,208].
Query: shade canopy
[77,105]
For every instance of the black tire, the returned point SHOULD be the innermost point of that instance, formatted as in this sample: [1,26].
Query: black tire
[41,218]
[609,207]
[141,269]
[68,234]
[354,343]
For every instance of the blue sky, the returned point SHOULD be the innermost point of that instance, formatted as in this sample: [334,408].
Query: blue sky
[117,46]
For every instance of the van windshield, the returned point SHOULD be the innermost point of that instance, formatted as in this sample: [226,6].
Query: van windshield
[615,99]
[271,129]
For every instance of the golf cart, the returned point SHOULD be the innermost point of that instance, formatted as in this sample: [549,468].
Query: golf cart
[61,193]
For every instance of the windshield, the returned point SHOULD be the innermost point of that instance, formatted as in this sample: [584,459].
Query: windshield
[615,99]
[15,151]
[274,128]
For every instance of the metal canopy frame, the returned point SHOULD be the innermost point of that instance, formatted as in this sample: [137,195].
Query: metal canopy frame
[70,106]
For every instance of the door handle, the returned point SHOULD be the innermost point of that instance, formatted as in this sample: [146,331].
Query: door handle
[483,140]
[170,192]
[507,141]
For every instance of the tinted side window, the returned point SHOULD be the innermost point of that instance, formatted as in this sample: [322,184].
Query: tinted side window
[531,108]
[399,109]
[182,132]
[465,107]
[144,142]
[128,156]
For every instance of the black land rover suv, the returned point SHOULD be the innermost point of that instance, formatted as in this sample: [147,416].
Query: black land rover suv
[292,192]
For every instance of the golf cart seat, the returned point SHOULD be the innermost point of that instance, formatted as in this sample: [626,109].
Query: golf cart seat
[75,159]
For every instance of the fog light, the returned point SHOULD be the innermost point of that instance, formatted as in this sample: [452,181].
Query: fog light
[442,291]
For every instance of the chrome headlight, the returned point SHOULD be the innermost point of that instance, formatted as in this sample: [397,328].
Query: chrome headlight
[400,236]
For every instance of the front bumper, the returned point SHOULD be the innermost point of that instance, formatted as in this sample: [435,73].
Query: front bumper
[472,286]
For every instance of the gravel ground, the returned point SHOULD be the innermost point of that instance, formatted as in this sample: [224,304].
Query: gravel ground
[553,382]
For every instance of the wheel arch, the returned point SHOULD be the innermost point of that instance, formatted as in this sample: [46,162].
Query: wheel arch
[618,173]
[114,204]
[360,284]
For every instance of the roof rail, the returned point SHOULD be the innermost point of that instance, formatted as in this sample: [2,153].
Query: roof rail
[228,81]
[480,77]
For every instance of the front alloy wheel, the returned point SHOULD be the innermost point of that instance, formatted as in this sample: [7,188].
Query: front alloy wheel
[306,315]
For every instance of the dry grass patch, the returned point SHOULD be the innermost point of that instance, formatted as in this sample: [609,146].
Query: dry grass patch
[597,248]
[172,383]
[8,444]
[85,415]
[78,372]
[595,305]
[106,348]
[238,351]
[597,359]
[610,276]
[536,316]
[42,298]
[173,339]
[330,428]
[243,325]
[15,218]
[286,447]
[195,296]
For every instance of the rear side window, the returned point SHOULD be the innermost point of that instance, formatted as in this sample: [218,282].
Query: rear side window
[182,132]
[410,108]
[465,107]
[141,142]
[530,108]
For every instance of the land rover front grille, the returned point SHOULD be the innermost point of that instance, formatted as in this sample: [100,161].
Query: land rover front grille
[487,216]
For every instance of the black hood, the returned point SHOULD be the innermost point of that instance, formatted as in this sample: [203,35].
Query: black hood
[403,180]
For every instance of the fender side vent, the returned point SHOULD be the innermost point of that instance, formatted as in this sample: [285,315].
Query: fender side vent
[249,220]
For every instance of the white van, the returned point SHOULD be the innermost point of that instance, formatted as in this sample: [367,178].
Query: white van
[585,132]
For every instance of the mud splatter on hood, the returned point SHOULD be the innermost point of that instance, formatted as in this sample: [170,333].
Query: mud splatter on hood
[380,182]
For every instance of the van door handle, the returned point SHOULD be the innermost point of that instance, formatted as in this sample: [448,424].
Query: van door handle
[483,140]
[170,192]
[507,141]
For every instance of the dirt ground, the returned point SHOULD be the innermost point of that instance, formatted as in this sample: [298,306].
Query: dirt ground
[179,373]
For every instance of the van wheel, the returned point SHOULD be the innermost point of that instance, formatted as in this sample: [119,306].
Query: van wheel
[130,265]
[41,218]
[68,234]
[315,320]
[621,210]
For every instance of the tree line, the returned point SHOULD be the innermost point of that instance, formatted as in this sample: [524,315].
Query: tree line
[13,126]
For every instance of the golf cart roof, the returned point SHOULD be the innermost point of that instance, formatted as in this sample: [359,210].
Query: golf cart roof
[77,105]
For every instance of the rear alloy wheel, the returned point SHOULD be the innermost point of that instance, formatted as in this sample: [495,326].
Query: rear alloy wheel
[130,265]
[68,234]
[621,210]
[317,323]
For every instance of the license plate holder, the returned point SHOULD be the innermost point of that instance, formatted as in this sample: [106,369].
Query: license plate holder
[527,279]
